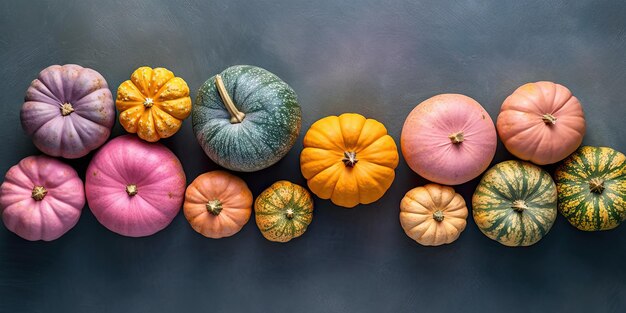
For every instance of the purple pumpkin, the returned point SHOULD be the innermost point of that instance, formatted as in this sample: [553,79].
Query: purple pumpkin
[135,188]
[68,111]
[41,198]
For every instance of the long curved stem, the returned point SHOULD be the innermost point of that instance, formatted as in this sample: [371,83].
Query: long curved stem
[236,116]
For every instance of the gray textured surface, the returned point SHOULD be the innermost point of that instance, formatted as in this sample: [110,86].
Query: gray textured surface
[379,58]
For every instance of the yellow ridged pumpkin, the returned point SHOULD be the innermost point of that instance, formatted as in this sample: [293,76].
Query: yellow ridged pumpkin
[348,159]
[153,103]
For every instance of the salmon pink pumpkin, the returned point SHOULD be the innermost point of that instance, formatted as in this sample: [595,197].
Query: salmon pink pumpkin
[541,122]
[68,111]
[449,139]
[134,188]
[41,198]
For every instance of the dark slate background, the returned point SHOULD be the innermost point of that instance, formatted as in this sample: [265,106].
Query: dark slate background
[378,58]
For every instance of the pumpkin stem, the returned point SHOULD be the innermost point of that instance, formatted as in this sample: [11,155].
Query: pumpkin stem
[39,192]
[235,115]
[148,103]
[549,119]
[438,216]
[349,158]
[457,137]
[596,185]
[289,213]
[66,109]
[214,207]
[131,189]
[519,206]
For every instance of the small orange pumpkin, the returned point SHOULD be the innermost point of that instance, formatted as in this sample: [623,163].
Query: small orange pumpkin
[217,204]
[153,103]
[433,214]
[348,159]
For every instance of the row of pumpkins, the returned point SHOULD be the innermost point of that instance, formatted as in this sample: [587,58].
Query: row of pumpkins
[247,119]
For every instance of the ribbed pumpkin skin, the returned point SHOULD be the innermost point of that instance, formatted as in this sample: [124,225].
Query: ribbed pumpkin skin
[419,219]
[324,163]
[494,201]
[46,218]
[583,208]
[153,103]
[231,200]
[154,171]
[525,133]
[86,122]
[427,139]
[273,206]
[269,129]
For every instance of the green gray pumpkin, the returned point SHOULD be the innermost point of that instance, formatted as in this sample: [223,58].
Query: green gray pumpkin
[251,123]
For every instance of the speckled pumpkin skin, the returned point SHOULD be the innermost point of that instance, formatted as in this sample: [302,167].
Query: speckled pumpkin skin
[494,200]
[269,129]
[583,208]
[153,103]
[84,124]
[273,205]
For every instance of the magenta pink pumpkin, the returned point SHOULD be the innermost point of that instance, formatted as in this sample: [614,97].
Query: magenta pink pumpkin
[135,188]
[69,111]
[41,198]
[449,139]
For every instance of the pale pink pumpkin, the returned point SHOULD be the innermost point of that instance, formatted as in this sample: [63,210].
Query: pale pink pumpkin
[541,122]
[41,198]
[134,188]
[449,139]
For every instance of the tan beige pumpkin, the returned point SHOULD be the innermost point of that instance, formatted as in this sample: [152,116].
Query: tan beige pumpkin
[433,215]
[217,204]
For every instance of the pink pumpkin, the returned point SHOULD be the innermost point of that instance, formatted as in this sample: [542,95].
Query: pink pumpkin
[135,188]
[69,111]
[41,198]
[449,139]
[541,122]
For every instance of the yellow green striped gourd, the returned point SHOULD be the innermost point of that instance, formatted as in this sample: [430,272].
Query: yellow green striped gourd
[515,203]
[592,188]
[283,211]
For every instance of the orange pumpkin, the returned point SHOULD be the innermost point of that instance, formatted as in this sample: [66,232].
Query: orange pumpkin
[348,159]
[433,214]
[217,204]
[153,103]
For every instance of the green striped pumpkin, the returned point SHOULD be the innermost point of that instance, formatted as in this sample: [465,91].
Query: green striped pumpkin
[592,188]
[246,118]
[283,211]
[515,203]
